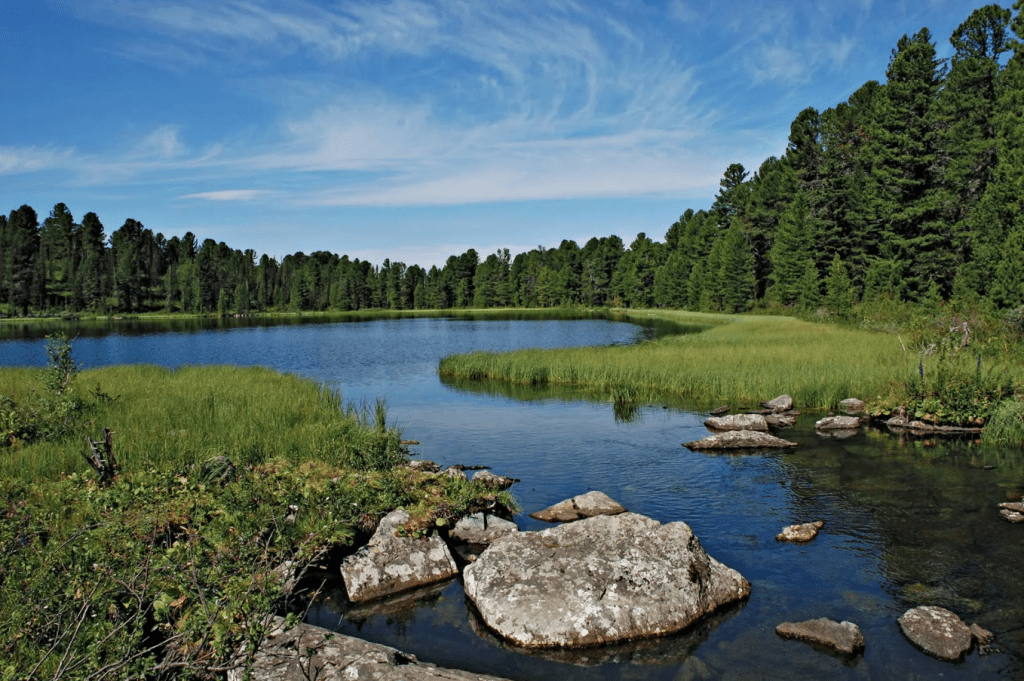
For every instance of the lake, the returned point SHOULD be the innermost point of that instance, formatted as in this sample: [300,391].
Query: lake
[907,521]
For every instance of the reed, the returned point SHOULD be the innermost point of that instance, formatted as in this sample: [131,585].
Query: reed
[738,358]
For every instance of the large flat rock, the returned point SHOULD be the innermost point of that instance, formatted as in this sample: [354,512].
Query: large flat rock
[581,506]
[598,580]
[740,439]
[737,422]
[841,637]
[306,652]
[390,564]
[937,631]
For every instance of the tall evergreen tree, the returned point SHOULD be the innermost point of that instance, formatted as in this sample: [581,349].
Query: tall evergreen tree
[791,250]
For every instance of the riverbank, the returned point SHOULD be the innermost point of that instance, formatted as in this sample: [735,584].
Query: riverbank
[223,475]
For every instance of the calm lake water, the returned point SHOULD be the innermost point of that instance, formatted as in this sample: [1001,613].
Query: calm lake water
[907,522]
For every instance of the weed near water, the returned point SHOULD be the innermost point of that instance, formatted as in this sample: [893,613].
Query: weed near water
[739,359]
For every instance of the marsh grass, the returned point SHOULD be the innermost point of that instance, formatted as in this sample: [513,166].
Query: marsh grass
[739,358]
[166,419]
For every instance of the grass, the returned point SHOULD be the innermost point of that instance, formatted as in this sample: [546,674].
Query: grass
[742,359]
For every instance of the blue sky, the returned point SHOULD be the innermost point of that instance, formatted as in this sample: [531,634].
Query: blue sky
[416,130]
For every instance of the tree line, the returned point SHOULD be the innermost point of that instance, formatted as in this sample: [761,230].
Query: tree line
[912,189]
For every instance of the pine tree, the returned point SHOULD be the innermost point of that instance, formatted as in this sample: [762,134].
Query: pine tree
[791,250]
[839,295]
[810,288]
[1007,289]
[737,283]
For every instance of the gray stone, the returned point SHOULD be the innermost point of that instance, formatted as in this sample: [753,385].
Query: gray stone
[1015,506]
[780,403]
[779,420]
[481,528]
[599,580]
[1012,516]
[903,423]
[737,422]
[740,439]
[837,423]
[492,481]
[582,506]
[982,636]
[453,472]
[390,564]
[937,632]
[842,637]
[285,656]
[424,466]
[852,405]
[800,533]
[719,411]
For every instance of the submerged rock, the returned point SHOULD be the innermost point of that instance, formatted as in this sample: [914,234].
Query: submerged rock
[800,533]
[597,581]
[719,411]
[1012,511]
[307,652]
[740,439]
[582,506]
[842,637]
[937,632]
[737,422]
[390,563]
[780,403]
[904,423]
[838,423]
[482,528]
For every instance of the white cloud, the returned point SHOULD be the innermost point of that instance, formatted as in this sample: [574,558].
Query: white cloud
[15,160]
[230,195]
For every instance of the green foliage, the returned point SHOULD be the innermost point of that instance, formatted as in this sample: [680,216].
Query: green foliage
[1006,424]
[839,294]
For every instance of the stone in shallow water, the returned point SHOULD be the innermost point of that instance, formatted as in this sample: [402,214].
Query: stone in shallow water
[852,405]
[581,506]
[842,637]
[481,528]
[838,423]
[598,580]
[937,632]
[740,439]
[389,564]
[800,533]
[737,422]
[780,403]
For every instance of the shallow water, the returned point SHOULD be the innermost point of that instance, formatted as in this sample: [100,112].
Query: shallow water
[907,522]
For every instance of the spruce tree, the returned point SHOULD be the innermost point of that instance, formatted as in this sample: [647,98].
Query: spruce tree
[1007,289]
[737,283]
[839,294]
[791,250]
[810,288]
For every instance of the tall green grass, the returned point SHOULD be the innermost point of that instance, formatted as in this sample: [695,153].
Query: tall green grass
[166,420]
[738,359]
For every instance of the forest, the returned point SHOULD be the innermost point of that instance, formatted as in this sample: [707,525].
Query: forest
[911,190]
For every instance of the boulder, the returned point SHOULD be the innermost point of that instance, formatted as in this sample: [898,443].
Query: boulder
[719,411]
[851,405]
[582,506]
[800,533]
[492,481]
[390,563]
[599,580]
[779,420]
[780,403]
[842,637]
[937,632]
[737,422]
[424,466]
[740,439]
[481,528]
[837,423]
[454,472]
[308,652]
[1012,516]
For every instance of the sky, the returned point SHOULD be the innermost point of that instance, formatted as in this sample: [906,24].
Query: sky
[416,130]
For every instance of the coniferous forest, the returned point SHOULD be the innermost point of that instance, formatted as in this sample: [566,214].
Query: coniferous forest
[911,190]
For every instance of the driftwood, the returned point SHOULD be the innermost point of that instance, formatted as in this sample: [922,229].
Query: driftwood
[103,462]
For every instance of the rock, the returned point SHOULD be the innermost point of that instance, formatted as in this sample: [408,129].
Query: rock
[1015,506]
[903,423]
[410,442]
[390,564]
[719,411]
[481,528]
[740,439]
[837,423]
[851,405]
[583,506]
[492,481]
[737,422]
[424,466]
[1012,516]
[800,533]
[453,472]
[937,632]
[599,580]
[779,420]
[780,403]
[284,656]
[842,637]
[286,573]
[982,636]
